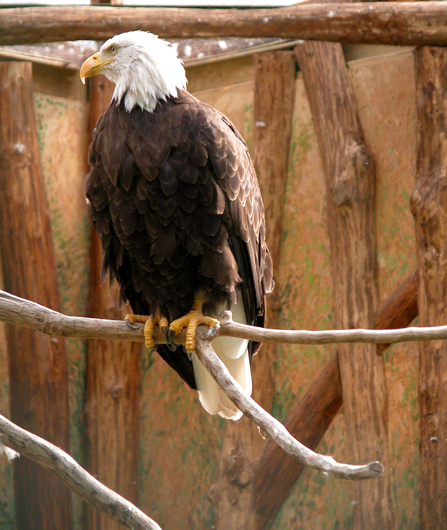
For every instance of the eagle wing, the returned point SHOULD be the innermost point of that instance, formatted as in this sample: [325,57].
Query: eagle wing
[153,171]
[235,173]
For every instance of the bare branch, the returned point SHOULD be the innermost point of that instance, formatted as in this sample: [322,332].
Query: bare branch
[15,310]
[273,427]
[77,479]
[20,312]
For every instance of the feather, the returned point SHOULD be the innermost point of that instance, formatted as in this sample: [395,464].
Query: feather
[173,194]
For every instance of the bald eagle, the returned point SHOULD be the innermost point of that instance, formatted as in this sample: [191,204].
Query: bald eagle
[173,195]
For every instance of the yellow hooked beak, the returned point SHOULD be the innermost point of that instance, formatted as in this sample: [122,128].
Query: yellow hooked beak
[93,66]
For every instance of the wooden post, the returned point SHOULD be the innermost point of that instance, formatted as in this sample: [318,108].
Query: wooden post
[429,201]
[37,362]
[112,372]
[242,446]
[350,183]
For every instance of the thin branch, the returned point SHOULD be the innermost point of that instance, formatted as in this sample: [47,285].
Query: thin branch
[20,312]
[273,427]
[77,479]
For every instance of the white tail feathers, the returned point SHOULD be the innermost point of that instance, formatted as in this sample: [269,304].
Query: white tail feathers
[233,352]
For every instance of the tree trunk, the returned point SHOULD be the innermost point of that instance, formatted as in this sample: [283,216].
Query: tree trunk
[428,203]
[112,372]
[350,183]
[37,362]
[243,445]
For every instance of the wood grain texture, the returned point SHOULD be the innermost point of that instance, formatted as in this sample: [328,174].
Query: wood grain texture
[398,23]
[350,183]
[274,75]
[428,204]
[112,374]
[37,364]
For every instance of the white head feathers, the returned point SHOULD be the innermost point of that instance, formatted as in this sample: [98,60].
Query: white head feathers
[144,68]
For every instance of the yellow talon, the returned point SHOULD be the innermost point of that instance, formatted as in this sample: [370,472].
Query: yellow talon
[191,321]
[149,323]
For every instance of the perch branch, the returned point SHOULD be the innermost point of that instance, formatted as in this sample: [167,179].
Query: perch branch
[397,23]
[77,479]
[273,427]
[21,312]
[17,311]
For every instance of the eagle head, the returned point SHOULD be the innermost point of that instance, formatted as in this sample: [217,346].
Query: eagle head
[144,68]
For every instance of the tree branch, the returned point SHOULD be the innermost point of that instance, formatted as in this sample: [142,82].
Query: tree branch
[21,312]
[273,427]
[17,311]
[398,23]
[77,479]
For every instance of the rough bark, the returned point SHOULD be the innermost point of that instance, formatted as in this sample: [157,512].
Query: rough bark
[242,446]
[112,373]
[350,183]
[429,202]
[398,23]
[37,363]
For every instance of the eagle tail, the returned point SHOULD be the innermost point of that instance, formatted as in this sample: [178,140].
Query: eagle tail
[234,354]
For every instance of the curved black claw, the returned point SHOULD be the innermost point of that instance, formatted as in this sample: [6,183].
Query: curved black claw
[169,336]
[130,325]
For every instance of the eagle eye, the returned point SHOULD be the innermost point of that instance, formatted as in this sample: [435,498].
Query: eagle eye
[113,49]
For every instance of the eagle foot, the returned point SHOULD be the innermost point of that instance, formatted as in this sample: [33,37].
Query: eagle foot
[191,321]
[150,322]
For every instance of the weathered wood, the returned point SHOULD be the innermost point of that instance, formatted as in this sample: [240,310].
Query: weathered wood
[398,23]
[276,473]
[273,108]
[350,183]
[401,307]
[112,376]
[428,204]
[87,487]
[37,363]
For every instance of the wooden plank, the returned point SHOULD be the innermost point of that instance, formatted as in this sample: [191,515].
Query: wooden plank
[314,413]
[242,446]
[396,23]
[112,373]
[349,173]
[429,210]
[37,363]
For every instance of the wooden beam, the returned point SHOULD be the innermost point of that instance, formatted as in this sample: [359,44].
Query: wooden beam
[397,23]
[37,364]
[242,446]
[428,204]
[308,422]
[112,374]
[350,184]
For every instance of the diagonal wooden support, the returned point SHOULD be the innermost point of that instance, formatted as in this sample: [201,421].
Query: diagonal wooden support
[350,184]
[314,413]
